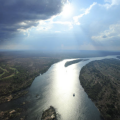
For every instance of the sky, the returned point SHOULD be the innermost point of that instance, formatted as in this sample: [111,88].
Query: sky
[60,25]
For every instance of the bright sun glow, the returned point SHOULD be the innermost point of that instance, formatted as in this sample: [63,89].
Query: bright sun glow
[67,10]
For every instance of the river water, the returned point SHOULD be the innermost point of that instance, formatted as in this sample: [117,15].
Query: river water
[55,88]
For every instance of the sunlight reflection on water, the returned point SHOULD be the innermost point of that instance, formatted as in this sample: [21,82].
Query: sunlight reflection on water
[58,85]
[65,82]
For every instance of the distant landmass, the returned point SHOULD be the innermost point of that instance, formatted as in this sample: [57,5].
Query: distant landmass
[64,54]
[101,81]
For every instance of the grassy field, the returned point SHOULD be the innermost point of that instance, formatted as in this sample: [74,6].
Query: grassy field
[7,72]
[101,81]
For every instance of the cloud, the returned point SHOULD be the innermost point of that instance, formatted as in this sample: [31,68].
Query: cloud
[100,20]
[57,32]
[51,25]
[109,3]
[111,34]
[23,14]
[39,23]
[87,11]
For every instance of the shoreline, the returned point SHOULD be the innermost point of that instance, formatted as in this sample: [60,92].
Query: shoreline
[20,92]
[99,80]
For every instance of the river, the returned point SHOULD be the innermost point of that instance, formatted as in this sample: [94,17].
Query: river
[55,88]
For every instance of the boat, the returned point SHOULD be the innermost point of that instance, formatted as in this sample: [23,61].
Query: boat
[73,94]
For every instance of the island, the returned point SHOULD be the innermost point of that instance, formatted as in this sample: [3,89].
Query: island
[101,81]
[49,114]
[74,61]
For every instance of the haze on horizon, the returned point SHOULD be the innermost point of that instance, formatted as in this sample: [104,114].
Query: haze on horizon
[60,25]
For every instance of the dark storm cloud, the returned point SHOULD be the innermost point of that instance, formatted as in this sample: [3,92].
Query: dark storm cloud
[14,12]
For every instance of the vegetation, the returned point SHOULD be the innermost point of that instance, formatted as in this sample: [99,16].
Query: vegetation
[17,73]
[49,114]
[10,114]
[101,81]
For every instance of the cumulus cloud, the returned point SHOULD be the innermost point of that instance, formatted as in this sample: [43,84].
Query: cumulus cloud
[112,33]
[23,14]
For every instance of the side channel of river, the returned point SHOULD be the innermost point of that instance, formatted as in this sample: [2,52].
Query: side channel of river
[56,88]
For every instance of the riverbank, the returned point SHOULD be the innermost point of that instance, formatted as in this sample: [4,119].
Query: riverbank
[18,73]
[101,81]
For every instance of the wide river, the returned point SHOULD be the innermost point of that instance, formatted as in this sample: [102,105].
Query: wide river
[56,88]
